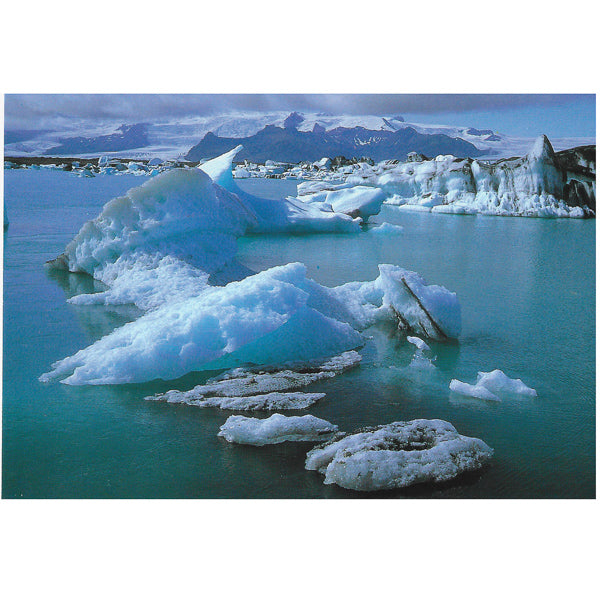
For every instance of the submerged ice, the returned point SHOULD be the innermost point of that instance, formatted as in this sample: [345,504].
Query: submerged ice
[397,455]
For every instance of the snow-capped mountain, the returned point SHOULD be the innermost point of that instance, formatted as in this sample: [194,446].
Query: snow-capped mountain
[173,138]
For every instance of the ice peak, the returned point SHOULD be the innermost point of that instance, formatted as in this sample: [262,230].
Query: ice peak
[541,149]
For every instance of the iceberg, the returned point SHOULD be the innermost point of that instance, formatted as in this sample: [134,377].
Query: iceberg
[273,317]
[289,215]
[397,455]
[276,430]
[540,184]
[166,239]
[492,385]
[356,201]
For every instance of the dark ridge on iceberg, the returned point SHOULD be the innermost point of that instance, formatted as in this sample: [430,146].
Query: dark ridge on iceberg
[127,137]
[290,145]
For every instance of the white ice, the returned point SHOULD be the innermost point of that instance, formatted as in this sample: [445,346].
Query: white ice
[492,386]
[276,429]
[418,342]
[397,455]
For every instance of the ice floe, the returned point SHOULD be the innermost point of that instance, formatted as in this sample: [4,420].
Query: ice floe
[276,429]
[397,455]
[269,389]
[492,386]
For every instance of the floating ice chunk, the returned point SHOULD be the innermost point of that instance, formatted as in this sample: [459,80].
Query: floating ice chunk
[418,342]
[248,390]
[492,385]
[357,201]
[387,229]
[475,391]
[420,361]
[397,455]
[273,317]
[276,429]
[496,381]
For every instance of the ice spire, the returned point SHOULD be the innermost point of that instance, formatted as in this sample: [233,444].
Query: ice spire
[542,149]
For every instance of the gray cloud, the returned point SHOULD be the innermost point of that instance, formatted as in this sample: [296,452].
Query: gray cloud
[46,110]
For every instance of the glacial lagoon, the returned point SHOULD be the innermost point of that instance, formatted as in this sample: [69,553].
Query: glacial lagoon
[527,292]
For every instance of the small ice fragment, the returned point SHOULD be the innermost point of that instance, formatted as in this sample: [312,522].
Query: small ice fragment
[387,229]
[418,342]
[492,385]
[276,429]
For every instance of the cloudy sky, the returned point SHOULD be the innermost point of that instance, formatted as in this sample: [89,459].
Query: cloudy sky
[558,115]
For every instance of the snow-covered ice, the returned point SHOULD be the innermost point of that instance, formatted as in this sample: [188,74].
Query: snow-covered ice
[397,455]
[262,402]
[492,386]
[276,429]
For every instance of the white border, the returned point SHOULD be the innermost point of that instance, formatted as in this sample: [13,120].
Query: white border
[299,549]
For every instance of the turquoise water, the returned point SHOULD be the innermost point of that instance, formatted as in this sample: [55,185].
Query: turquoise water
[527,290]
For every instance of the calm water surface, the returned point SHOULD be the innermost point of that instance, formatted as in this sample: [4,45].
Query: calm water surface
[527,291]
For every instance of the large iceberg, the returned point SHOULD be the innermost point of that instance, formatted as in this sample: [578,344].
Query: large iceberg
[164,240]
[276,430]
[540,184]
[397,455]
[276,316]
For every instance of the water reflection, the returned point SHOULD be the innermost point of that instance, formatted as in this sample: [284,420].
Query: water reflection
[96,320]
